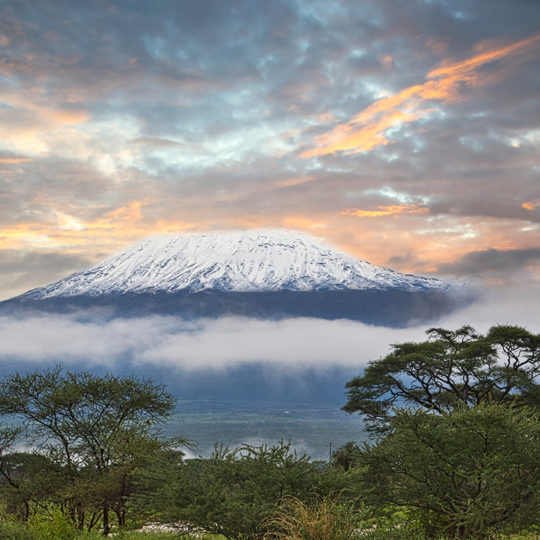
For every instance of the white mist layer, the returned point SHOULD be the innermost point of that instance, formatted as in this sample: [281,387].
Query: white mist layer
[229,342]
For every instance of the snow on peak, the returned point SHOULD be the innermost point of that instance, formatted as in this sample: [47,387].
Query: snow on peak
[251,260]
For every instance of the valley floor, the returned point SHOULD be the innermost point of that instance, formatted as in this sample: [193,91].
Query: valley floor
[310,430]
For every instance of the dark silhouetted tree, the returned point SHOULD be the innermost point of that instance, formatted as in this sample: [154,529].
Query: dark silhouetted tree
[450,369]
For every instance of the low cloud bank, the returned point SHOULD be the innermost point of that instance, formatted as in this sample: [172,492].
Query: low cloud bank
[209,343]
[500,262]
[233,341]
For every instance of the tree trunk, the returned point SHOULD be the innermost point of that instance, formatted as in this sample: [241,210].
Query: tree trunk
[106,527]
[80,516]
[121,515]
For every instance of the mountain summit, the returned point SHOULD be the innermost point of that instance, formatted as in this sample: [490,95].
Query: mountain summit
[262,273]
[237,261]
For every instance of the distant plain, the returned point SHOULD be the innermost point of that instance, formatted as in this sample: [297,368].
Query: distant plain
[310,430]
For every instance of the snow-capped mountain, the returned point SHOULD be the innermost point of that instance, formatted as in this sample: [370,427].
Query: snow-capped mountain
[254,273]
[239,261]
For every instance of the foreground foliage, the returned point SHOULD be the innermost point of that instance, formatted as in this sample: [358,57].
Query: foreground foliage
[324,518]
[465,458]
[462,462]
[89,434]
[235,492]
[449,370]
[471,474]
[51,529]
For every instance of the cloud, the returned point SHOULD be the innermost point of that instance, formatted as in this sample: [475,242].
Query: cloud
[14,159]
[492,260]
[514,304]
[405,260]
[63,231]
[155,142]
[292,344]
[198,112]
[21,270]
[445,84]
[167,341]
[69,116]
[531,205]
[392,210]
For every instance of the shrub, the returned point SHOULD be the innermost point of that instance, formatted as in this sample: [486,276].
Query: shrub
[56,526]
[324,519]
[16,531]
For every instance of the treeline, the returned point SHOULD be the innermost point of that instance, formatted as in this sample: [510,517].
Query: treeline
[455,453]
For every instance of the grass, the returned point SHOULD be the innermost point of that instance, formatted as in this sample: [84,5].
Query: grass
[324,520]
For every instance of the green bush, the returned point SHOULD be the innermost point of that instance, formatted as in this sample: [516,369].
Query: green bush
[389,524]
[470,474]
[56,526]
[16,531]
[234,491]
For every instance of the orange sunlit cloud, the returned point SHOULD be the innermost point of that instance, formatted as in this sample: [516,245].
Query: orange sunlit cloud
[118,226]
[388,210]
[68,117]
[531,205]
[23,233]
[32,102]
[444,84]
[49,123]
[13,160]
[386,61]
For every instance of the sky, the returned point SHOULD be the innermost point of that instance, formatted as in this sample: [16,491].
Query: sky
[404,132]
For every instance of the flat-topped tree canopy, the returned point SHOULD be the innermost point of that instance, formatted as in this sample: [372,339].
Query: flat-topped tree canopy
[448,369]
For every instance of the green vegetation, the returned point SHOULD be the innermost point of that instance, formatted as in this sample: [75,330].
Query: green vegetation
[465,460]
[448,370]
[235,491]
[455,455]
[89,433]
[324,518]
[471,474]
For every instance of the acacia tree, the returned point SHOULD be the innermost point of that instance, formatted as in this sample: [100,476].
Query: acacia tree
[450,369]
[98,429]
[346,456]
[468,474]
[465,454]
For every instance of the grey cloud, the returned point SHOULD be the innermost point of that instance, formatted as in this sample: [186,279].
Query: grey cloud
[6,156]
[119,56]
[176,48]
[514,304]
[38,187]
[491,261]
[398,261]
[23,270]
[490,207]
[206,73]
